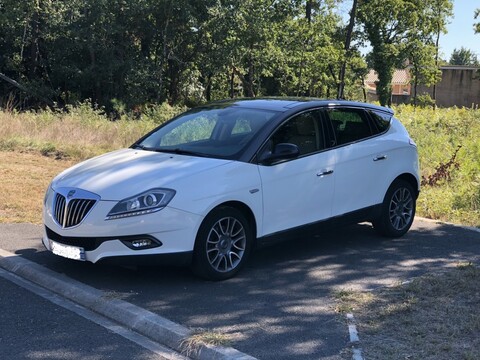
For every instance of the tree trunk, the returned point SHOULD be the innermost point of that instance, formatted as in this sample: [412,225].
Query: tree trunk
[208,88]
[415,85]
[348,40]
[174,74]
[308,10]
[32,62]
[434,93]
[232,79]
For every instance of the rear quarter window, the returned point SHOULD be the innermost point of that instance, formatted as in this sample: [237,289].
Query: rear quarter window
[381,121]
[349,125]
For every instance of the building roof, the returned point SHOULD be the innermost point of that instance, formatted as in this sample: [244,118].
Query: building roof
[400,77]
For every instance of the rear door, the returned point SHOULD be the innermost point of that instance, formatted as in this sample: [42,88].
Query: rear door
[362,160]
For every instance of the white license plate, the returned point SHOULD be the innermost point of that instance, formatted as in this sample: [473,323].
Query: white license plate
[67,251]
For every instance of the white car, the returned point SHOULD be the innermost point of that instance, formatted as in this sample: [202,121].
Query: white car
[206,187]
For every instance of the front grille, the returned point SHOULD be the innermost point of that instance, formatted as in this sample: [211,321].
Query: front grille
[71,213]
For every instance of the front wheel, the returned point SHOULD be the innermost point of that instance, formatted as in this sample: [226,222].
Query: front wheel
[223,244]
[398,210]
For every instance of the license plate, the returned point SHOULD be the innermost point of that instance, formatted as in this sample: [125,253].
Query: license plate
[67,251]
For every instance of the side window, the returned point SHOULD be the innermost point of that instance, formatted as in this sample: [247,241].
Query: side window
[381,121]
[349,125]
[302,130]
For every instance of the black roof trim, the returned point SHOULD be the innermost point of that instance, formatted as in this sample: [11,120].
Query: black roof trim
[287,103]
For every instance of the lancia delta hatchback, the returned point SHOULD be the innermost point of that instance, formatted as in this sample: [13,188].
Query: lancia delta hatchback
[206,187]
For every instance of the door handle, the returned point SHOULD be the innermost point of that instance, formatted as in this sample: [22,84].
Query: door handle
[380,157]
[326,172]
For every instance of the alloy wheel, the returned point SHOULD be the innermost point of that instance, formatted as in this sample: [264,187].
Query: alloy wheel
[226,244]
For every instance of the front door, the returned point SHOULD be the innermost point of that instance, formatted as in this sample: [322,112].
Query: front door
[299,191]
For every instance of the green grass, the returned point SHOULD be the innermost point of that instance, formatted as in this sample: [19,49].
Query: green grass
[438,134]
[83,132]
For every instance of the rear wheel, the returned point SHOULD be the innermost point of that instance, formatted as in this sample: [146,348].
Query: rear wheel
[398,210]
[223,244]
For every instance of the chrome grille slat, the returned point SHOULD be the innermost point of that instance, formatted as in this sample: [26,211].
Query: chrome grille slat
[81,211]
[70,213]
[59,208]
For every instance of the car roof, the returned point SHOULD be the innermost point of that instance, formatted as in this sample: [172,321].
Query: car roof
[283,104]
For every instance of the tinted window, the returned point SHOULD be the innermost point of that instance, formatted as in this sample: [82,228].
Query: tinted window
[303,131]
[381,120]
[349,125]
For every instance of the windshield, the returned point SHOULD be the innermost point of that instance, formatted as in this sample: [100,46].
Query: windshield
[212,132]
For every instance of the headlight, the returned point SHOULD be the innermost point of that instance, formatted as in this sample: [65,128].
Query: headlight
[47,194]
[141,204]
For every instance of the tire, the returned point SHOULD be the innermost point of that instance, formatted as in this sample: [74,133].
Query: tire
[223,244]
[397,211]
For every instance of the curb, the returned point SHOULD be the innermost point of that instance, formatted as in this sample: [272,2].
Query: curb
[433,221]
[131,316]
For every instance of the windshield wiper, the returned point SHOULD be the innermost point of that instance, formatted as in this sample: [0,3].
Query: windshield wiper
[180,152]
[142,147]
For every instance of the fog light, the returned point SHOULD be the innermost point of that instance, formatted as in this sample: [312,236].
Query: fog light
[141,243]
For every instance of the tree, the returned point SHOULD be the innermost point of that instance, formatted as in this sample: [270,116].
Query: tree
[463,56]
[442,10]
[123,54]
[312,56]
[477,25]
[390,25]
[424,69]
[348,39]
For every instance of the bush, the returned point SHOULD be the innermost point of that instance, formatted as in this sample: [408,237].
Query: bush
[425,101]
[449,150]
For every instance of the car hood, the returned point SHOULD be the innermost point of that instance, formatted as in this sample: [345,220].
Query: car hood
[127,172]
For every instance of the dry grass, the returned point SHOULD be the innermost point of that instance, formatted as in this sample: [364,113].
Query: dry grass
[199,337]
[23,180]
[433,317]
[83,132]
[67,135]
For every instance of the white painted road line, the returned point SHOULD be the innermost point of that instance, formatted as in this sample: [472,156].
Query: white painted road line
[354,339]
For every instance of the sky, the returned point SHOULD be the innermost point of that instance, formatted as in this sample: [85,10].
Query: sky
[460,30]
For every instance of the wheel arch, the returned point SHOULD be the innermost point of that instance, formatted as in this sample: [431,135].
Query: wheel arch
[246,211]
[202,264]
[412,180]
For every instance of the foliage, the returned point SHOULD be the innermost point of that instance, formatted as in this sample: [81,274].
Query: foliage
[398,30]
[443,172]
[79,132]
[463,56]
[424,100]
[449,150]
[424,68]
[476,26]
[126,54]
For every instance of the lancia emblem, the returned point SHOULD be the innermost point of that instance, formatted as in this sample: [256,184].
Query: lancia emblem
[70,194]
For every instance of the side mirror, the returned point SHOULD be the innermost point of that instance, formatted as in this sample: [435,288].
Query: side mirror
[282,151]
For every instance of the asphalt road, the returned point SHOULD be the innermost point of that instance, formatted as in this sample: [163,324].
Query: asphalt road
[37,324]
[280,306]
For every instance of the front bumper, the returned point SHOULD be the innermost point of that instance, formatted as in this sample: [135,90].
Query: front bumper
[173,231]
